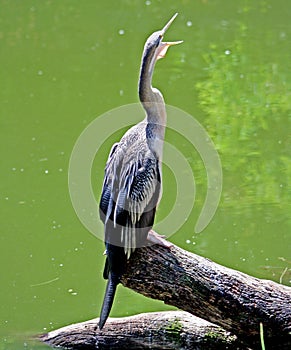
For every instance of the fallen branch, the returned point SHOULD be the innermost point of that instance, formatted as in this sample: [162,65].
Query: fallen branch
[232,300]
[156,330]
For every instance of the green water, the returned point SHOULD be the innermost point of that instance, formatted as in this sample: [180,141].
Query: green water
[64,63]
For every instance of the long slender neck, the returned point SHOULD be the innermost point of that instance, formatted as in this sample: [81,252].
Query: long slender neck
[153,102]
[146,93]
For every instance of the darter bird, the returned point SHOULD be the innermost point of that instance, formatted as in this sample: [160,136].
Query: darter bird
[132,182]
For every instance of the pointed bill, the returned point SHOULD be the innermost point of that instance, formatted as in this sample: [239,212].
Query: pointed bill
[169,23]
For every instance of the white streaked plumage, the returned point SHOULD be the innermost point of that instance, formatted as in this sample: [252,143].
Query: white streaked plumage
[132,179]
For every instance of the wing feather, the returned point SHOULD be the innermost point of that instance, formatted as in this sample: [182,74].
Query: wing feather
[130,192]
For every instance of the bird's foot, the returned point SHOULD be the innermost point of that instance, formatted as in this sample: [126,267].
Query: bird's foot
[155,238]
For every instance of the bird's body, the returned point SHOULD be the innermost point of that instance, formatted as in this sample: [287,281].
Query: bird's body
[132,182]
[131,190]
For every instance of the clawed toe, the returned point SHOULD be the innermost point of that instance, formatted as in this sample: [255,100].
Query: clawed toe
[156,238]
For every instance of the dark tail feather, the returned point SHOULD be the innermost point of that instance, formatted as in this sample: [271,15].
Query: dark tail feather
[108,299]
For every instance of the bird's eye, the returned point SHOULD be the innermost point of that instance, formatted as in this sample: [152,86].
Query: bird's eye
[159,39]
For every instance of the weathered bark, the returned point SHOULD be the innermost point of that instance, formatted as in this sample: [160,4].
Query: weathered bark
[232,300]
[156,330]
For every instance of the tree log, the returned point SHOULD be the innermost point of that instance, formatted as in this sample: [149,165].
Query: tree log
[230,299]
[156,330]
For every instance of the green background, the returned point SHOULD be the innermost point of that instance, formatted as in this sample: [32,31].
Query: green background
[64,63]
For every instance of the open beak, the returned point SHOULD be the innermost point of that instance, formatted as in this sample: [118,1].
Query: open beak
[164,46]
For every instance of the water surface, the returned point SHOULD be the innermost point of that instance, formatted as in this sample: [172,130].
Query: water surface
[66,63]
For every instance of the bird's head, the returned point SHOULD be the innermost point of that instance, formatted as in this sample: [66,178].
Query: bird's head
[155,48]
